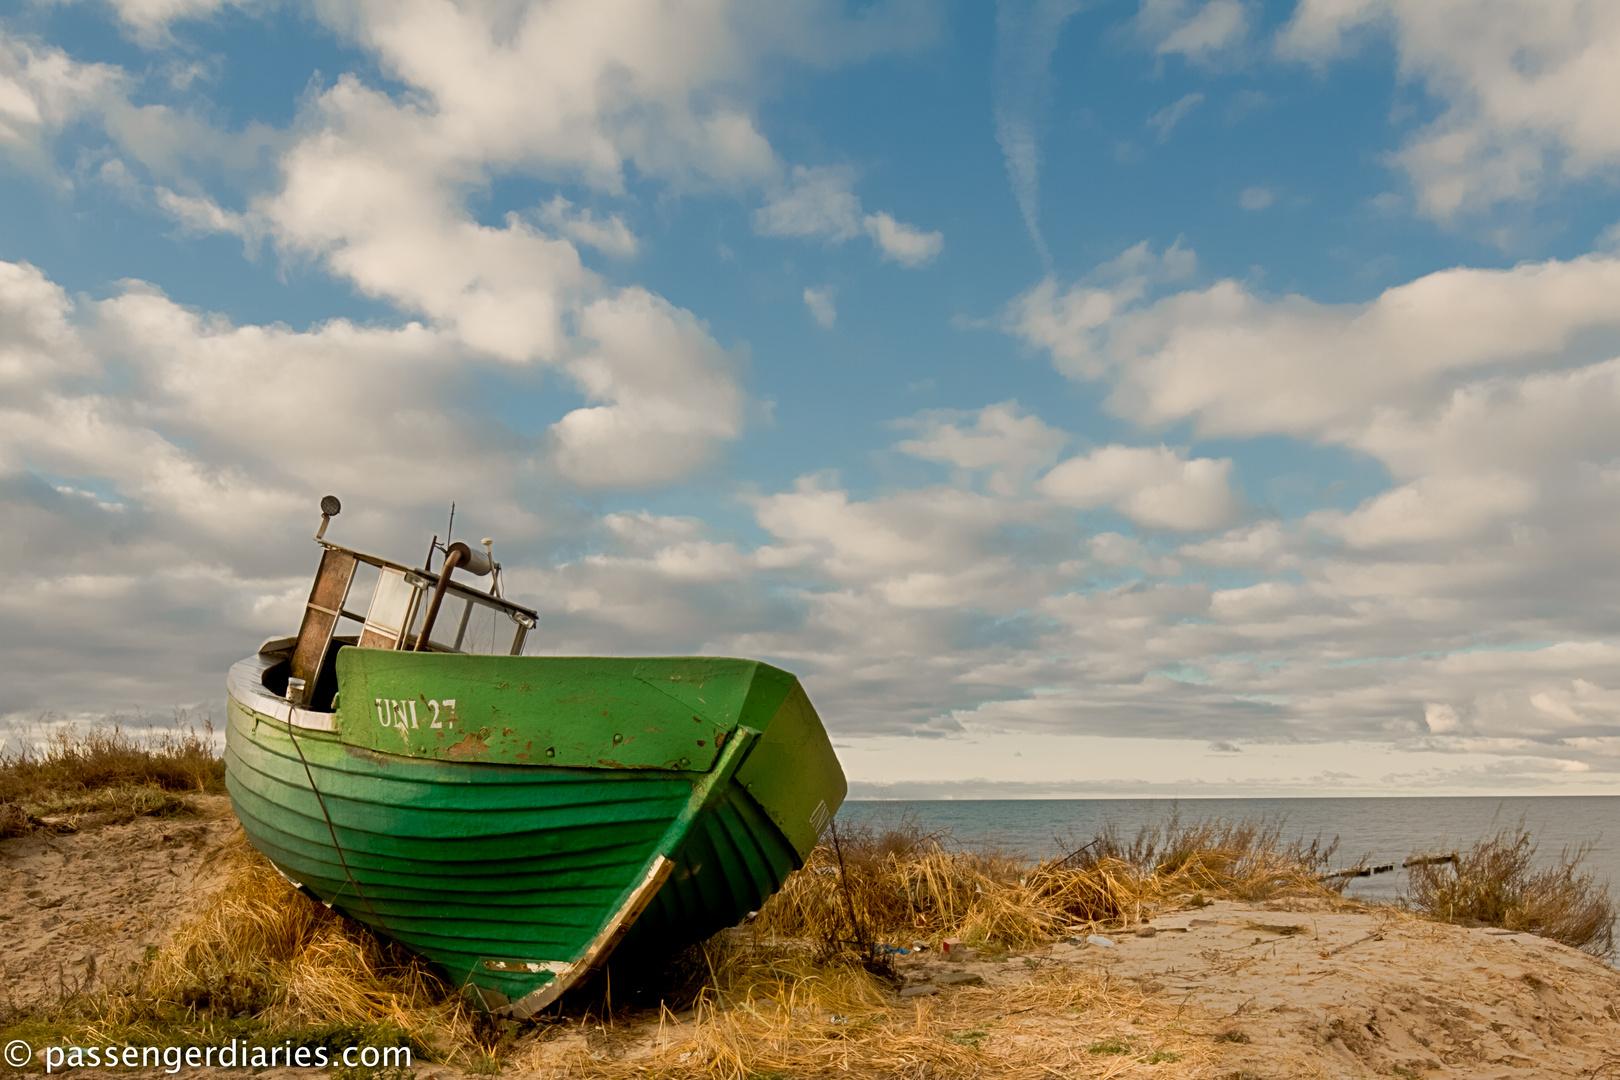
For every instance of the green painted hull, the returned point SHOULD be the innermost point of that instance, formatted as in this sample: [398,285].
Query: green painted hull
[519,876]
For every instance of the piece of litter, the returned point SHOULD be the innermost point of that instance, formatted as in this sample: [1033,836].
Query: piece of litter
[1098,939]
[949,944]
[962,978]
[920,991]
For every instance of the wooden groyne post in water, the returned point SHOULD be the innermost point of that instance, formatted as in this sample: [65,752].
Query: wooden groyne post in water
[1385,868]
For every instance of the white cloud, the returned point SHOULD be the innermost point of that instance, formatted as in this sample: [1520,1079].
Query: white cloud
[1027,32]
[1238,364]
[43,90]
[1531,89]
[926,548]
[669,392]
[1255,198]
[584,87]
[1262,546]
[151,18]
[1199,31]
[820,303]
[1155,487]
[38,343]
[1440,718]
[1165,120]
[200,214]
[1432,508]
[1112,549]
[820,203]
[1003,441]
[902,243]
[610,236]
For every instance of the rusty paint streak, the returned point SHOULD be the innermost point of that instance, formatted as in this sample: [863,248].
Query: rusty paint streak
[470,746]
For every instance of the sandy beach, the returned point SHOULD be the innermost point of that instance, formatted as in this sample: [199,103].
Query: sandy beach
[1291,988]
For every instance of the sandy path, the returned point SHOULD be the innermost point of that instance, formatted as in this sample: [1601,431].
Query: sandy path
[76,909]
[1320,993]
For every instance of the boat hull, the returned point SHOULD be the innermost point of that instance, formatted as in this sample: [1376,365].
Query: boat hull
[516,879]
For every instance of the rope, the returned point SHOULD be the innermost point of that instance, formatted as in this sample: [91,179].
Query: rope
[330,828]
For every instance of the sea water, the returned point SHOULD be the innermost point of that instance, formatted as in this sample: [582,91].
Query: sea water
[1370,831]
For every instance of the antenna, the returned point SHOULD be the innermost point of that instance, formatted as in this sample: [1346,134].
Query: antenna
[495,567]
[449,530]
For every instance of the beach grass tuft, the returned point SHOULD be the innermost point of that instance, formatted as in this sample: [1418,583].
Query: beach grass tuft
[107,774]
[1498,882]
[871,886]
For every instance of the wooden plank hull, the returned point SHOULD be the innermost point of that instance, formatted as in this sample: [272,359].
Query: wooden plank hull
[517,879]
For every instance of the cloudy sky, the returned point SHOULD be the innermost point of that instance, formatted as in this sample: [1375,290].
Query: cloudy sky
[1198,397]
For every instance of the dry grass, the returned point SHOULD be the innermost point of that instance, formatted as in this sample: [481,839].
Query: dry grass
[258,945]
[258,956]
[78,778]
[1496,882]
[772,1012]
[901,884]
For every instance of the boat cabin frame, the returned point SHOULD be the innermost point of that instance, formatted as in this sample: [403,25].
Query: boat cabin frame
[470,620]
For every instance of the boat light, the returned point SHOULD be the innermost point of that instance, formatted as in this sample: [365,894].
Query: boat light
[330,508]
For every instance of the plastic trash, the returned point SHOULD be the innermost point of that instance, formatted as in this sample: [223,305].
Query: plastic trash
[1098,939]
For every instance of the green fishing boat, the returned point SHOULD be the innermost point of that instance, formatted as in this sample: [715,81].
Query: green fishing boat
[515,819]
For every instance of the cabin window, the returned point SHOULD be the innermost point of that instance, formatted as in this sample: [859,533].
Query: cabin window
[468,624]
[390,607]
[446,632]
[488,630]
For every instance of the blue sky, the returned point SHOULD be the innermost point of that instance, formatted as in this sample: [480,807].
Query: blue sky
[1203,396]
